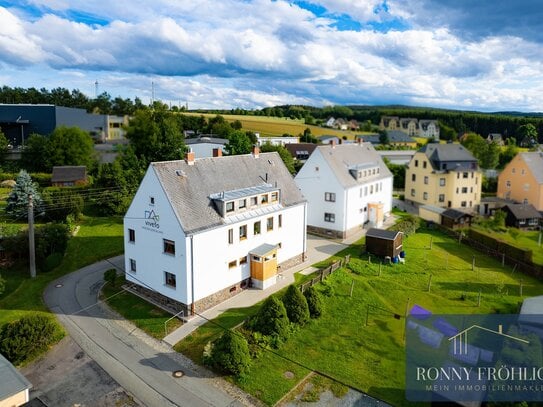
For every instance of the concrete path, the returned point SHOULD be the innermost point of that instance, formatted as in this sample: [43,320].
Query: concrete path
[318,249]
[129,359]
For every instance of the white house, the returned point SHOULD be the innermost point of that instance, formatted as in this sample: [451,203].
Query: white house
[277,141]
[346,186]
[204,146]
[200,231]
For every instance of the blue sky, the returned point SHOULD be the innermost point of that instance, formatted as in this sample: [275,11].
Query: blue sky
[477,55]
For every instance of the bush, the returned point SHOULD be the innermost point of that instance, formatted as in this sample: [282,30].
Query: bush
[52,261]
[314,302]
[110,276]
[296,306]
[50,238]
[230,353]
[28,337]
[272,319]
[408,225]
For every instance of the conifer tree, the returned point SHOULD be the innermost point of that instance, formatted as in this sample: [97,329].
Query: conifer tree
[17,202]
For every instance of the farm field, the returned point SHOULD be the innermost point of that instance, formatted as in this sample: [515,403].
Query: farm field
[368,354]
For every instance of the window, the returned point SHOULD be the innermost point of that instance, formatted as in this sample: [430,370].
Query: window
[274,196]
[371,189]
[264,198]
[243,260]
[443,166]
[232,264]
[464,190]
[472,175]
[522,172]
[254,201]
[441,197]
[131,235]
[470,204]
[152,200]
[243,232]
[426,180]
[132,265]
[476,179]
[230,236]
[413,177]
[412,192]
[463,204]
[257,258]
[442,182]
[169,279]
[425,196]
[169,246]
[330,197]
[269,224]
[416,163]
[365,191]
[464,175]
[457,190]
[513,170]
[525,201]
[508,184]
[424,164]
[471,190]
[229,207]
[279,245]
[256,228]
[526,187]
[280,221]
[457,175]
[361,192]
[242,204]
[329,217]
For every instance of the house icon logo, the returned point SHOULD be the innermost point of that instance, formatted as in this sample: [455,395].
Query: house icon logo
[152,215]
[460,340]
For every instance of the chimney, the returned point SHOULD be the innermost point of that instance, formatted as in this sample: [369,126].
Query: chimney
[217,152]
[359,140]
[256,151]
[189,157]
[500,328]
[333,143]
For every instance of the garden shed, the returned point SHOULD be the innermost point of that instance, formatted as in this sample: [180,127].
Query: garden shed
[454,219]
[384,243]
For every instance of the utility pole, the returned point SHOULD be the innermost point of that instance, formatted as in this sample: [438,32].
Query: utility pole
[31,243]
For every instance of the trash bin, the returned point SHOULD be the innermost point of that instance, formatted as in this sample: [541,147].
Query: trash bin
[402,254]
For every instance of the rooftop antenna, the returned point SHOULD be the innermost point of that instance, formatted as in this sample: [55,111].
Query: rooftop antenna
[96,89]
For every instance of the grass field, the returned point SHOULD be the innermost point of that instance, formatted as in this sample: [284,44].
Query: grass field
[277,126]
[371,358]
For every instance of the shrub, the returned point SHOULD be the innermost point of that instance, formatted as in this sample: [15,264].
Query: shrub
[2,285]
[110,276]
[230,353]
[408,225]
[296,306]
[272,318]
[50,238]
[314,302]
[28,337]
[52,261]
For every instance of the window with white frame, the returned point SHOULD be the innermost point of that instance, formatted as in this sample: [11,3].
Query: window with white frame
[132,265]
[329,217]
[169,279]
[330,197]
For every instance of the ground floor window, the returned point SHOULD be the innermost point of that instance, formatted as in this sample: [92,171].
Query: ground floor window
[329,217]
[169,279]
[132,265]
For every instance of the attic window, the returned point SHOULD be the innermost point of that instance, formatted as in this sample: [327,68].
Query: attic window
[229,206]
[152,200]
[274,196]
[180,173]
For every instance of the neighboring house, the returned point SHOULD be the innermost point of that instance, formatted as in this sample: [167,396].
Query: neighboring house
[14,387]
[329,139]
[330,122]
[429,129]
[346,186]
[490,204]
[301,151]
[384,243]
[495,138]
[69,176]
[277,141]
[411,126]
[431,213]
[522,179]
[205,146]
[400,157]
[454,219]
[353,125]
[396,138]
[444,175]
[389,123]
[521,216]
[341,124]
[116,126]
[199,231]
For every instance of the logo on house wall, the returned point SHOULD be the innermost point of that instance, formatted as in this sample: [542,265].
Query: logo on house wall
[152,219]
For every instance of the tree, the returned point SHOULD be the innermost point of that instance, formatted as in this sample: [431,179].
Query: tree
[272,318]
[238,143]
[314,302]
[230,353]
[490,156]
[383,137]
[71,146]
[283,153]
[36,156]
[2,285]
[527,134]
[508,154]
[3,146]
[296,306]
[17,202]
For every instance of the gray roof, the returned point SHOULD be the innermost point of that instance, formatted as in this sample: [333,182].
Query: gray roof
[341,158]
[12,381]
[394,136]
[523,211]
[243,192]
[69,173]
[432,208]
[534,161]
[447,152]
[190,187]
[263,249]
[205,140]
[382,234]
[455,214]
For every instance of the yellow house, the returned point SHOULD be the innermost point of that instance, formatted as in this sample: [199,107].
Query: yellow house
[443,175]
[522,179]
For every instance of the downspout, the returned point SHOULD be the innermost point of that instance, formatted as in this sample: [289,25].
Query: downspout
[192,273]
[305,233]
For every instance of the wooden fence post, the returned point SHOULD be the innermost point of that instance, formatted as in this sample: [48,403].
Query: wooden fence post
[429,283]
[352,286]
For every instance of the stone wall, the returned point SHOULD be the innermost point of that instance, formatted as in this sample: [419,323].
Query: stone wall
[220,296]
[157,298]
[329,233]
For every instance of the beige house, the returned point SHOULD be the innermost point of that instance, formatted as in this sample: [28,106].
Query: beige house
[522,179]
[443,175]
[14,388]
[411,126]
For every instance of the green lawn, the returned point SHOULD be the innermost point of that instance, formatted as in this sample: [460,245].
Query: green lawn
[140,312]
[97,239]
[527,239]
[371,358]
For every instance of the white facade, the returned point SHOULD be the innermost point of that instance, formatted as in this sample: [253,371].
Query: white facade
[277,141]
[205,149]
[334,204]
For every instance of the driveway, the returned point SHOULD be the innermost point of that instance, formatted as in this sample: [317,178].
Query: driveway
[142,366]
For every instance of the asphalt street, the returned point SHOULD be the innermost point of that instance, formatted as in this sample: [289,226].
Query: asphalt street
[137,366]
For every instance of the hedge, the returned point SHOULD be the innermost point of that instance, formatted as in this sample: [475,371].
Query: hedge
[518,253]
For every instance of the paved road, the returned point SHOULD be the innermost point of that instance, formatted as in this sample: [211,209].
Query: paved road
[136,365]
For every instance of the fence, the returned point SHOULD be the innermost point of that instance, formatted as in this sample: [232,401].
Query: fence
[323,273]
[528,268]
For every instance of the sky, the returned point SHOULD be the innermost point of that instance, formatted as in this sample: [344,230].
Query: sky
[221,54]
